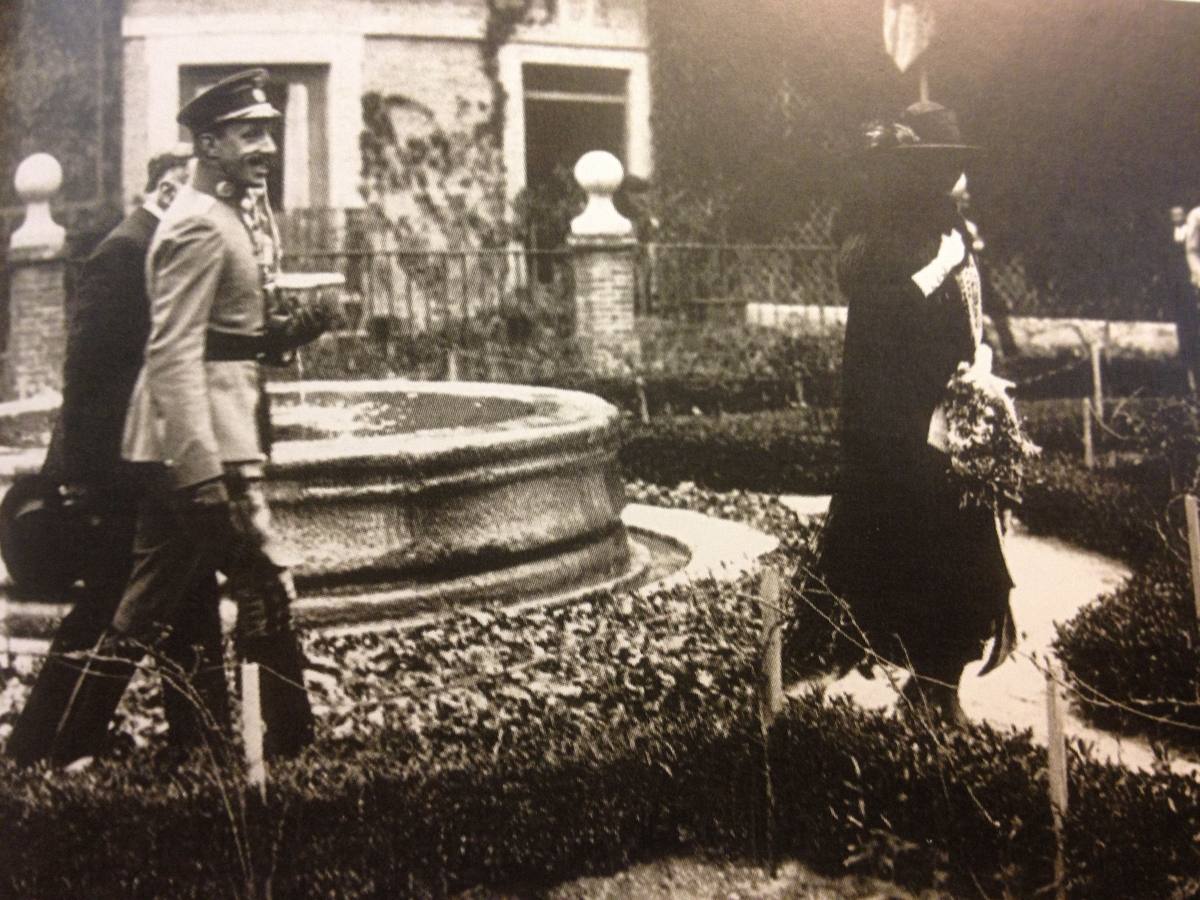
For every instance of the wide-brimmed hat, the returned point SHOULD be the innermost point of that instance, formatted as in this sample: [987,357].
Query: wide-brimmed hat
[239,97]
[924,128]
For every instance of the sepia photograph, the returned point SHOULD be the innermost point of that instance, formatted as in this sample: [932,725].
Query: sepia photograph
[615,449]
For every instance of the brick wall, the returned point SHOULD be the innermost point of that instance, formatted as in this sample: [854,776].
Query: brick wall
[604,299]
[436,74]
[37,328]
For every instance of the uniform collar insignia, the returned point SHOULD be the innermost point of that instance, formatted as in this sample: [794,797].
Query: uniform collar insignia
[225,189]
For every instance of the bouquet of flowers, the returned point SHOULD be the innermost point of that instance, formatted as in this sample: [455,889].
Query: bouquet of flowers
[977,425]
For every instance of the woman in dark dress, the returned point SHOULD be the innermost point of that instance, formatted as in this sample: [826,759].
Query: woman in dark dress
[922,577]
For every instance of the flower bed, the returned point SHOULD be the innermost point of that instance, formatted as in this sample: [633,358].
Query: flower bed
[495,748]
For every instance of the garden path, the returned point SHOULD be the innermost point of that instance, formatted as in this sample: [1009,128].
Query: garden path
[1053,580]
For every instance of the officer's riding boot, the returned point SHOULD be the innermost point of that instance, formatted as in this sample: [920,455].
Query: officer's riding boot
[286,711]
[194,694]
[265,636]
[192,666]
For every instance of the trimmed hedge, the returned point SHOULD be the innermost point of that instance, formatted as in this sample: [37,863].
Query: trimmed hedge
[784,451]
[1139,646]
[854,790]
[711,368]
[1108,511]
[1040,377]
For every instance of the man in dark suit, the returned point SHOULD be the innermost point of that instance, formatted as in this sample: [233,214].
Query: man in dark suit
[105,346]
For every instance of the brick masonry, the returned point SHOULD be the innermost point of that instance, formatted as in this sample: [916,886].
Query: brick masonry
[604,294]
[37,328]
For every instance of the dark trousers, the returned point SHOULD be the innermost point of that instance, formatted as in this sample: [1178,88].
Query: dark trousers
[194,694]
[172,555]
[1187,329]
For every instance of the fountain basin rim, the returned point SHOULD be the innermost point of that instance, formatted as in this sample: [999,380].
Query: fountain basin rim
[576,416]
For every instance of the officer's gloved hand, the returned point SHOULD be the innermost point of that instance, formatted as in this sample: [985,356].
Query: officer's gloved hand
[285,330]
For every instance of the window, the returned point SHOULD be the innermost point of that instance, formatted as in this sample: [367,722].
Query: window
[569,110]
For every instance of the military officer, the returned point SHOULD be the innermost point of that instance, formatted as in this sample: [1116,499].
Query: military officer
[194,409]
[105,344]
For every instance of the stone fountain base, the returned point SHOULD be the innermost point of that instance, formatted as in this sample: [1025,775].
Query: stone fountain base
[403,498]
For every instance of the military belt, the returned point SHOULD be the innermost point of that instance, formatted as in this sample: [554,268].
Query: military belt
[224,346]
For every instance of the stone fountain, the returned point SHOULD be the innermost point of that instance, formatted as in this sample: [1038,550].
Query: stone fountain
[427,495]
[408,497]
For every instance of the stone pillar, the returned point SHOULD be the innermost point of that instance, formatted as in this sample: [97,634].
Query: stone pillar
[603,254]
[37,293]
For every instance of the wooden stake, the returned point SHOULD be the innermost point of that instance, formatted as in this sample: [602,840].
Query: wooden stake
[1097,383]
[643,405]
[252,729]
[769,590]
[1056,758]
[1191,508]
[452,365]
[1089,450]
[923,82]
[5,647]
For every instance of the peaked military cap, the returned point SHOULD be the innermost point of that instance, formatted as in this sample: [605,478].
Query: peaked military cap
[238,97]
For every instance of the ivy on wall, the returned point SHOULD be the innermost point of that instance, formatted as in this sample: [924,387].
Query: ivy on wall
[444,186]
[501,22]
[439,187]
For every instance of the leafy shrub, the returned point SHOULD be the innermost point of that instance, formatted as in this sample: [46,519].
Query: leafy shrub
[1138,646]
[1109,511]
[781,451]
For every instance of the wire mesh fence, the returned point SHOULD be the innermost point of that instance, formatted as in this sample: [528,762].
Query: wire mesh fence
[698,281]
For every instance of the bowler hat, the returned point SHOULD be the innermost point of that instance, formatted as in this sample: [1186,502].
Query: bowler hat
[239,97]
[42,544]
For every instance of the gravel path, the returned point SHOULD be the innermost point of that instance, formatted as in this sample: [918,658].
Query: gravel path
[1053,580]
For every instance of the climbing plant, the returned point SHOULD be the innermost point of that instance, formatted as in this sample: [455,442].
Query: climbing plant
[439,187]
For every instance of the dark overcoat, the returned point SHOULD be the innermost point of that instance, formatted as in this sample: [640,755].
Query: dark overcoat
[106,343]
[924,578]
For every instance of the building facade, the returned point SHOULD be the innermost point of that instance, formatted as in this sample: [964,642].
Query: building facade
[542,81]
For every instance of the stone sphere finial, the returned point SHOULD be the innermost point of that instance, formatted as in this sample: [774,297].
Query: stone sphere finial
[600,174]
[37,180]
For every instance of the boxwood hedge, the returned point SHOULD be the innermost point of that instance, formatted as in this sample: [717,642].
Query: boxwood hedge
[500,748]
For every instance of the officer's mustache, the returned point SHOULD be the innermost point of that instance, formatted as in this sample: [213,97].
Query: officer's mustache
[258,159]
